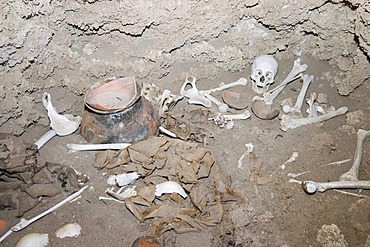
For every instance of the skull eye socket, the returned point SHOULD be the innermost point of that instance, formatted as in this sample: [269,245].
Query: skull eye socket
[269,75]
[258,72]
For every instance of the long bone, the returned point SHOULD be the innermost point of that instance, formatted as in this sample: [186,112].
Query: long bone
[241,82]
[299,103]
[61,125]
[222,120]
[289,122]
[352,174]
[349,179]
[294,74]
[93,147]
[222,107]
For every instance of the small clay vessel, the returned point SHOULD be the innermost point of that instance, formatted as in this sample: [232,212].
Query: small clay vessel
[115,112]
[146,241]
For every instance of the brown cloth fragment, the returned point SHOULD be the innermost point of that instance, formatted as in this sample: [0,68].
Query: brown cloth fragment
[189,165]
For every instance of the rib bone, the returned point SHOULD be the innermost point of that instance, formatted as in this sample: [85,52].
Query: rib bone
[289,122]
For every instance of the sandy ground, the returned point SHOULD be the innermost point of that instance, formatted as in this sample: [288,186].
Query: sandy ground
[275,212]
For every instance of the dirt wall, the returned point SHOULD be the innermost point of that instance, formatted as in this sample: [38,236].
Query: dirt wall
[73,44]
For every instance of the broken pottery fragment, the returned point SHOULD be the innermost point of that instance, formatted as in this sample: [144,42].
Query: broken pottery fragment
[117,113]
[146,241]
[236,100]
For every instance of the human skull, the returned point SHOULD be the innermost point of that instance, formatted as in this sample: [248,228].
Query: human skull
[264,69]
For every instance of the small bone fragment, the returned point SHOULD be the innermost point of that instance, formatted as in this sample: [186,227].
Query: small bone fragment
[69,230]
[241,82]
[337,162]
[61,125]
[289,122]
[295,175]
[168,101]
[222,107]
[299,103]
[23,223]
[123,193]
[291,159]
[34,240]
[92,147]
[169,187]
[249,147]
[122,179]
[312,107]
[352,174]
[193,94]
[167,132]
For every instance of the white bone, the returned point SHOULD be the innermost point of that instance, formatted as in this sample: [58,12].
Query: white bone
[193,94]
[264,69]
[23,223]
[348,180]
[352,174]
[60,124]
[311,187]
[222,120]
[122,179]
[294,74]
[167,132]
[169,187]
[91,147]
[289,122]
[241,82]
[222,107]
[245,115]
[123,193]
[298,105]
[312,107]
[168,101]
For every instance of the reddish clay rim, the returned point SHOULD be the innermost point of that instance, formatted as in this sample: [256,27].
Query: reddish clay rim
[113,96]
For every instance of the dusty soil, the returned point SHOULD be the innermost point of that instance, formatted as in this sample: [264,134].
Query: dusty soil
[275,212]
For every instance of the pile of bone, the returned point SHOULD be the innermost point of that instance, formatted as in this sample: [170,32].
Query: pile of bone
[264,69]
[169,181]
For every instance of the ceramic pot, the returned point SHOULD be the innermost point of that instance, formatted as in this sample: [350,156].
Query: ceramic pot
[115,112]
